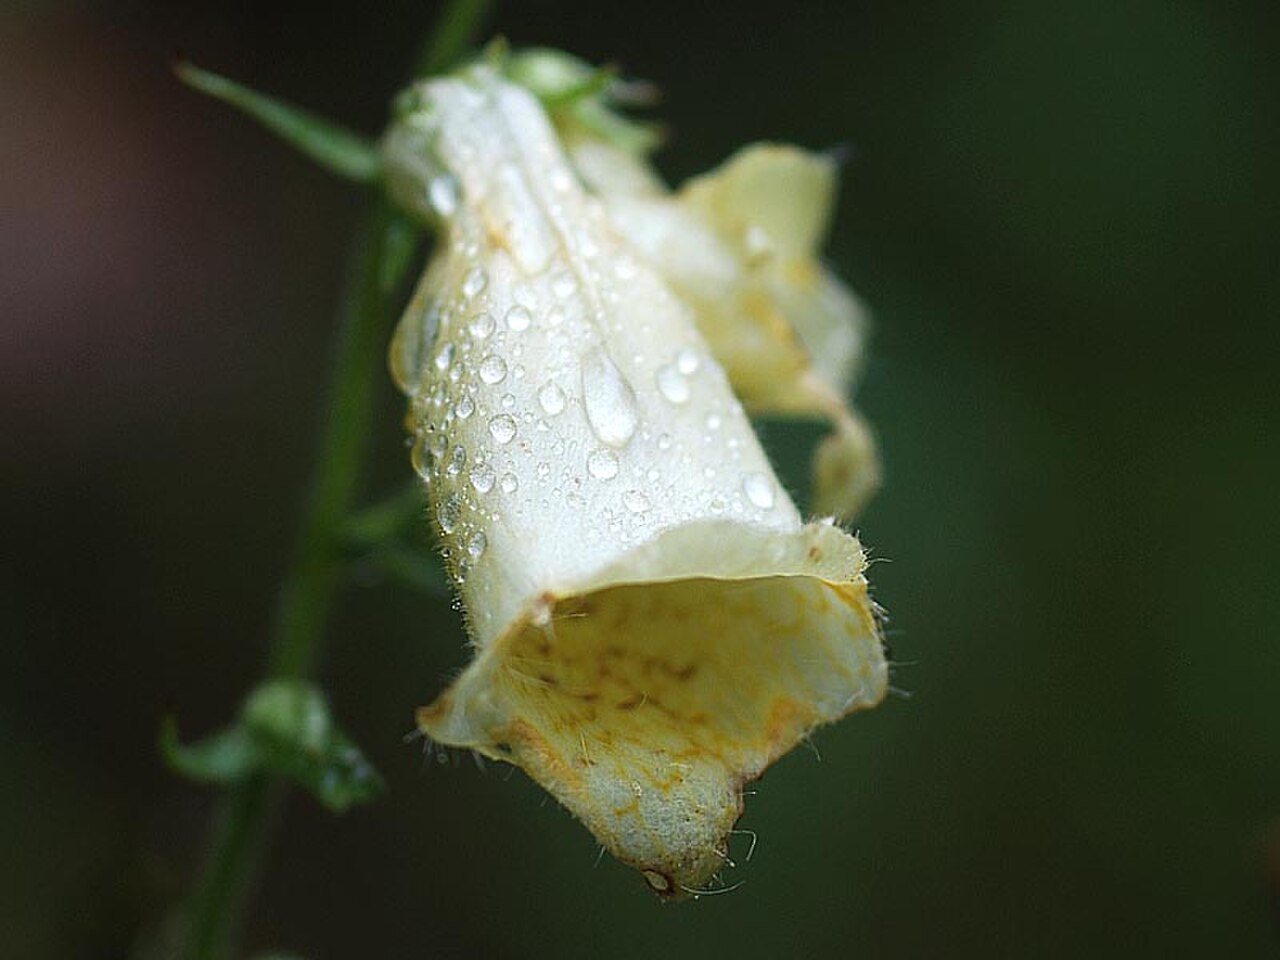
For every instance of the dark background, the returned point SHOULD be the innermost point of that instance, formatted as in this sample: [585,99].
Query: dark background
[1064,219]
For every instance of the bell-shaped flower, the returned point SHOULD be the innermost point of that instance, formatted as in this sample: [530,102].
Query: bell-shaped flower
[653,622]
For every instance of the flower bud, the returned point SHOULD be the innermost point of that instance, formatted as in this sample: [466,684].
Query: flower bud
[653,623]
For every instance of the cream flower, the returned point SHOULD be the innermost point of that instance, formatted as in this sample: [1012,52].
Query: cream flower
[739,245]
[653,623]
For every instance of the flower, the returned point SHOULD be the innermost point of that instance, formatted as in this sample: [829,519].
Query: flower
[653,623]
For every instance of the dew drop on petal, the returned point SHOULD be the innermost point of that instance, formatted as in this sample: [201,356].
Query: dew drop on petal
[464,408]
[564,286]
[493,369]
[477,544]
[636,501]
[518,318]
[445,357]
[457,460]
[759,490]
[420,457]
[502,427]
[509,483]
[609,399]
[474,282]
[602,464]
[672,384]
[687,361]
[481,325]
[443,194]
[482,478]
[625,268]
[449,512]
[551,398]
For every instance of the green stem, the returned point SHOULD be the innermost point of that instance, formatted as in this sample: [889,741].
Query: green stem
[245,817]
[379,264]
[307,596]
[457,24]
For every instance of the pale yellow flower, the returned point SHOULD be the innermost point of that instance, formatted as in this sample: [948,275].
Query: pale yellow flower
[653,622]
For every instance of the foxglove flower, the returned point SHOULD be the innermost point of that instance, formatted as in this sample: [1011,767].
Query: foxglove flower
[652,621]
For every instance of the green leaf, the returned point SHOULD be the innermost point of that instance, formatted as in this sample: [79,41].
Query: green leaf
[400,241]
[221,758]
[291,723]
[393,538]
[333,147]
[418,569]
[285,727]
[393,518]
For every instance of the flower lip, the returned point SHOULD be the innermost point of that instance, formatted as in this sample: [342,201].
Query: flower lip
[645,701]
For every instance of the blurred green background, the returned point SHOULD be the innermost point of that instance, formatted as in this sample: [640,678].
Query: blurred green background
[1064,218]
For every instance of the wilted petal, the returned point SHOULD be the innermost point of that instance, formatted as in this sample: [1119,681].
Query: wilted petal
[653,623]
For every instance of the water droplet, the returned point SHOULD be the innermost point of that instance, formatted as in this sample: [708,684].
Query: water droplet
[555,317]
[664,441]
[474,282]
[543,470]
[561,179]
[518,318]
[420,457]
[625,268]
[564,286]
[759,490]
[443,193]
[457,460]
[493,369]
[509,483]
[482,478]
[503,428]
[551,397]
[445,357]
[609,399]
[449,512]
[481,325]
[602,464]
[672,384]
[465,407]
[477,544]
[687,361]
[636,501]
[713,421]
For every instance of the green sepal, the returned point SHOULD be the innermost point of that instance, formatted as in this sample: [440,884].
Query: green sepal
[285,728]
[573,89]
[392,538]
[335,148]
